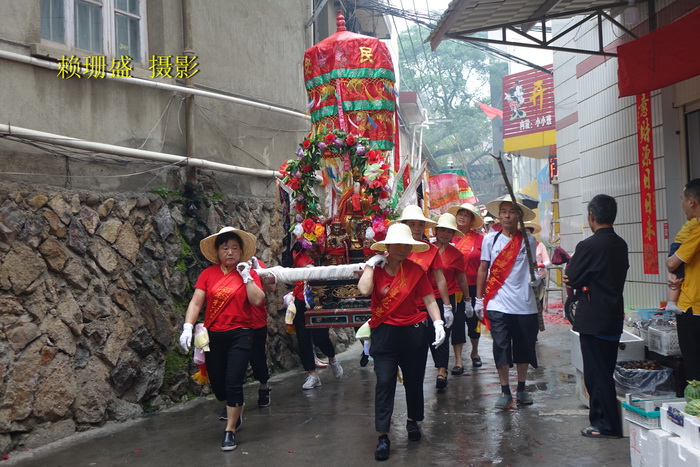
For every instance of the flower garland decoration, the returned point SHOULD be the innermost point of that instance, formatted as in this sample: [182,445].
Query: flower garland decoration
[358,161]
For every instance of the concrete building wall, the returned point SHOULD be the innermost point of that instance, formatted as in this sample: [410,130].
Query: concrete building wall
[252,51]
[597,151]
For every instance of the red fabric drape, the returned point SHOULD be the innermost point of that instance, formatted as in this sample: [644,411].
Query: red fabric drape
[661,58]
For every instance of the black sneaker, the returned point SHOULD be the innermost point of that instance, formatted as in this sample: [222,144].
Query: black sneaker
[413,430]
[383,448]
[264,397]
[364,360]
[229,441]
[223,416]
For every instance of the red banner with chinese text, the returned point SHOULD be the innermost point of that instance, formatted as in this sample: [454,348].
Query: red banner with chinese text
[645,148]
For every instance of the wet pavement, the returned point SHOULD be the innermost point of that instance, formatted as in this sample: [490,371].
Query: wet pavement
[334,424]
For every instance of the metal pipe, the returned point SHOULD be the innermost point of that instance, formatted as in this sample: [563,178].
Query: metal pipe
[11,130]
[164,86]
[188,51]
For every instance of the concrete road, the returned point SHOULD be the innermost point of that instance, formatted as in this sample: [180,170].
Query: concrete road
[334,424]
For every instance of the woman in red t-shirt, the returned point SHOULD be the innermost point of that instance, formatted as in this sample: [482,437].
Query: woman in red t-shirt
[468,221]
[431,263]
[399,329]
[228,289]
[453,268]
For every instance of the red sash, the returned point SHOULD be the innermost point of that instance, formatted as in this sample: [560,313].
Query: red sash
[425,258]
[224,290]
[335,251]
[466,243]
[500,268]
[401,287]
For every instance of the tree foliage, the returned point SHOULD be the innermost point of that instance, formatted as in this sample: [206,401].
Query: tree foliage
[450,82]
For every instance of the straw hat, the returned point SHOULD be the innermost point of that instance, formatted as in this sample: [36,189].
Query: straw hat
[449,221]
[414,213]
[533,225]
[495,205]
[400,234]
[478,219]
[211,253]
[489,220]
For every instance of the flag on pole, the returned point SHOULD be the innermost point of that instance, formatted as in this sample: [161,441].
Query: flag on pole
[491,112]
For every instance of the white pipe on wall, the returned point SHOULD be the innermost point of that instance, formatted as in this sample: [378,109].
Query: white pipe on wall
[11,130]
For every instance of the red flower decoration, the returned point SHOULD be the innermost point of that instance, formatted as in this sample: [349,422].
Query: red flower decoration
[375,207]
[383,194]
[299,207]
[350,139]
[330,137]
[293,183]
[308,225]
[305,144]
[283,168]
[306,168]
[373,156]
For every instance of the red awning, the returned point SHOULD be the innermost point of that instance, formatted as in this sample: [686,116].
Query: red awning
[666,56]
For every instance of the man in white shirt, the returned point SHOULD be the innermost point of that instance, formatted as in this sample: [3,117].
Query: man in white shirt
[506,301]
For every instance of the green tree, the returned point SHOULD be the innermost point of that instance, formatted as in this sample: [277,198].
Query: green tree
[451,81]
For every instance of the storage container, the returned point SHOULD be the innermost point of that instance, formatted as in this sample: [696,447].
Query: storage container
[664,340]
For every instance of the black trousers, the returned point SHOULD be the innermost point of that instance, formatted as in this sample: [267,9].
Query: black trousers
[599,358]
[227,362]
[395,347]
[688,326]
[258,356]
[307,338]
[441,355]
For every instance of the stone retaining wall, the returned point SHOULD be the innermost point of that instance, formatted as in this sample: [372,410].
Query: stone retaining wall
[93,290]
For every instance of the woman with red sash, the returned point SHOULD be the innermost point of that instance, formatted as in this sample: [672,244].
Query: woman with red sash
[453,268]
[227,289]
[469,243]
[399,329]
[431,263]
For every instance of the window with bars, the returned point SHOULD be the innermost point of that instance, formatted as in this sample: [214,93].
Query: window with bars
[105,27]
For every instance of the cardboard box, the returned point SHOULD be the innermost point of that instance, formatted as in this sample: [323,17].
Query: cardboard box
[648,447]
[631,349]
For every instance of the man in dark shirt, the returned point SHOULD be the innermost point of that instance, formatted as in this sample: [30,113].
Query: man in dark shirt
[597,271]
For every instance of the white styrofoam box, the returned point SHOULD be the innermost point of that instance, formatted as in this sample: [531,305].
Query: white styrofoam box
[679,453]
[676,421]
[648,447]
[631,349]
[694,431]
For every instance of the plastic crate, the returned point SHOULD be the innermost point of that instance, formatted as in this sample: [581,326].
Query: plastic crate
[641,417]
[647,313]
[664,341]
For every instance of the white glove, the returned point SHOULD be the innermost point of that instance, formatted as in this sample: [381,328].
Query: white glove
[244,270]
[254,263]
[449,316]
[186,337]
[479,308]
[673,308]
[468,308]
[439,333]
[376,261]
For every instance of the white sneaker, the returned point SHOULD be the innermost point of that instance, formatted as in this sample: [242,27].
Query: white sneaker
[336,368]
[311,382]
